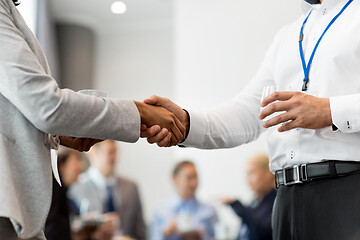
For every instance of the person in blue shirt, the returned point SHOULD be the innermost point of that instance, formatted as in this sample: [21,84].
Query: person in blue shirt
[184,217]
[256,217]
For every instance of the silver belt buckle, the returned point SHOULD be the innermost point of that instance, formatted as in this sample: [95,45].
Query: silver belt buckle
[296,174]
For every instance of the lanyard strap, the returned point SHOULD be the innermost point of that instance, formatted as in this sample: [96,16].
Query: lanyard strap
[306,68]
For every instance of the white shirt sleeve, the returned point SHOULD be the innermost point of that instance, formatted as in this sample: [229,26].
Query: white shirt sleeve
[234,122]
[345,112]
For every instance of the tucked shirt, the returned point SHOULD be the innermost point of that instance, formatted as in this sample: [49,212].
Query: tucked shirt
[203,218]
[334,74]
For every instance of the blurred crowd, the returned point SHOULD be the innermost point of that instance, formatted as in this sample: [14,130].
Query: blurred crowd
[95,203]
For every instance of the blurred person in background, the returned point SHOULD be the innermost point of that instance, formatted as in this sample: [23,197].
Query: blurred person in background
[184,217]
[58,224]
[106,193]
[256,218]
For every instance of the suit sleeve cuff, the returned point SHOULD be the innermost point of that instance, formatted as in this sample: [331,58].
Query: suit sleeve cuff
[344,113]
[198,125]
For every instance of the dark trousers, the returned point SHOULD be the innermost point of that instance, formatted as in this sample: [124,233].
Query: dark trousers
[327,209]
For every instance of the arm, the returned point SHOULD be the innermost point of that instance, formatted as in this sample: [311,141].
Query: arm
[207,231]
[156,231]
[260,224]
[25,84]
[227,125]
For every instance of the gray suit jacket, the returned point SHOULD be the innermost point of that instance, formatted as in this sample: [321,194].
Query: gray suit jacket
[127,201]
[31,105]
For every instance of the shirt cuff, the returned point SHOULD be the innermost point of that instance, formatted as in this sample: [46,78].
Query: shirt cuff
[198,125]
[344,113]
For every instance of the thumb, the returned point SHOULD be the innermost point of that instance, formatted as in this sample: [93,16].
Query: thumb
[153,100]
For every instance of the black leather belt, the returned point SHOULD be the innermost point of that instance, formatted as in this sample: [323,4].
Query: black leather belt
[307,172]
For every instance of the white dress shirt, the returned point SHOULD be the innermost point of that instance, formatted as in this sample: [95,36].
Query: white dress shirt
[335,74]
[102,183]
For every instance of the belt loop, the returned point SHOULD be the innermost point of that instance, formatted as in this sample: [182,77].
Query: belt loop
[332,169]
[277,184]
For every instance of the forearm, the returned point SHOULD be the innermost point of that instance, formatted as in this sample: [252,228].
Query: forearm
[247,215]
[25,83]
[226,126]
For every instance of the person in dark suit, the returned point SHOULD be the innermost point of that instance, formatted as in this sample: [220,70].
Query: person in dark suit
[106,193]
[58,221]
[256,218]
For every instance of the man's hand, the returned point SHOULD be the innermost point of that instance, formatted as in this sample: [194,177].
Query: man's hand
[227,201]
[171,229]
[156,117]
[155,134]
[194,235]
[301,111]
[79,144]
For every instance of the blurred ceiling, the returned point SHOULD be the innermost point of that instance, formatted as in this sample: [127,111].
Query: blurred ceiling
[97,15]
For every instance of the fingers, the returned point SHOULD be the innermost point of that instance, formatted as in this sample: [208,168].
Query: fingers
[82,144]
[149,132]
[151,100]
[278,119]
[158,137]
[166,142]
[179,131]
[143,127]
[288,126]
[93,142]
[277,96]
[174,139]
[274,107]
[158,101]
[182,129]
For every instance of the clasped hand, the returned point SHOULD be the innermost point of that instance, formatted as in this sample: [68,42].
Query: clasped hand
[300,110]
[163,122]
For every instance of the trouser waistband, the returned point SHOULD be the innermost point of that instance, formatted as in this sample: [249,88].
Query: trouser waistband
[303,173]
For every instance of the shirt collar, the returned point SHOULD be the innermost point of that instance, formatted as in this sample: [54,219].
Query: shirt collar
[100,181]
[313,1]
[328,4]
[178,202]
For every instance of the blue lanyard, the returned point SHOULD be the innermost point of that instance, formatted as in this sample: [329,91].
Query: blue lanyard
[306,68]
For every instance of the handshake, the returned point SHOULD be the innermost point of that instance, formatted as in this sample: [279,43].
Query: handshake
[162,121]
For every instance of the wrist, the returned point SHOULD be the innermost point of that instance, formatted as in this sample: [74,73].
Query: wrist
[186,123]
[141,107]
[327,113]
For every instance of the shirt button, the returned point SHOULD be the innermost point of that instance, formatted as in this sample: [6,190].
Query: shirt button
[324,11]
[292,155]
[348,125]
